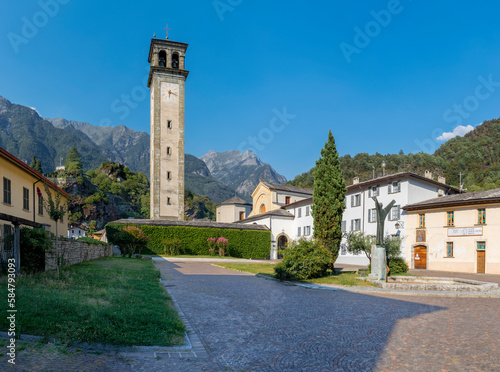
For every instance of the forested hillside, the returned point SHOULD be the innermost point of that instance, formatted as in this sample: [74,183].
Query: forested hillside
[476,156]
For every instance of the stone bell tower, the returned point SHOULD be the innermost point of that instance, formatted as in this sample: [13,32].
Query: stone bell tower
[167,78]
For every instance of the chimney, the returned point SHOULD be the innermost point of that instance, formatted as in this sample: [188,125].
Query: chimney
[428,174]
[442,179]
[355,180]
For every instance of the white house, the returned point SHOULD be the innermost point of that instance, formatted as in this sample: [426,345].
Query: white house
[294,220]
[76,233]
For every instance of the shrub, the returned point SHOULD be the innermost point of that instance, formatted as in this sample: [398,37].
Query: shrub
[130,239]
[397,265]
[89,240]
[34,243]
[303,260]
[212,245]
[222,245]
[172,246]
[242,243]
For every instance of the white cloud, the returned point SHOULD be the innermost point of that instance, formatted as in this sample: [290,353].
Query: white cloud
[458,131]
[34,109]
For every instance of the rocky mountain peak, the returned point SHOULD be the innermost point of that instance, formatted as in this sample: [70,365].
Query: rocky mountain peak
[240,171]
[5,105]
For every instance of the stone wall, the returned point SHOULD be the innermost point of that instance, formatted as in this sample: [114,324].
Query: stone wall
[76,252]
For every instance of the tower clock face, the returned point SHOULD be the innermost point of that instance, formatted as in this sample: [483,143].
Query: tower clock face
[169,92]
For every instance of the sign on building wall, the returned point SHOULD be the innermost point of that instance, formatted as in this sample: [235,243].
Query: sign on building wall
[465,231]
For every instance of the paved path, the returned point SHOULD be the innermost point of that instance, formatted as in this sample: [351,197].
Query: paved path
[246,323]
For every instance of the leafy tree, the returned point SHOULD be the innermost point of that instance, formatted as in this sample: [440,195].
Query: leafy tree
[358,242]
[328,199]
[56,209]
[92,227]
[73,163]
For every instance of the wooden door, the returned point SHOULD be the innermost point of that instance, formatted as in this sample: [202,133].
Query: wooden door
[420,257]
[481,262]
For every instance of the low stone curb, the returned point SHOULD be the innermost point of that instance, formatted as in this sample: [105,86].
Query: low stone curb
[381,291]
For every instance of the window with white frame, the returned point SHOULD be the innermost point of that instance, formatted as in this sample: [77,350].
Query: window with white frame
[307,210]
[299,212]
[344,226]
[394,187]
[298,231]
[395,213]
[373,191]
[372,215]
[355,200]
[356,224]
[307,230]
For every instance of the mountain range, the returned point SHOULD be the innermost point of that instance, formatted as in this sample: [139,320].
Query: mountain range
[220,176]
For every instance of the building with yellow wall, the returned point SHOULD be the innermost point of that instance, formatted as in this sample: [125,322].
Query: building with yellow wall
[455,233]
[23,192]
[269,197]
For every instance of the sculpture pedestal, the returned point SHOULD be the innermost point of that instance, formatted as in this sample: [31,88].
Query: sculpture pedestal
[378,264]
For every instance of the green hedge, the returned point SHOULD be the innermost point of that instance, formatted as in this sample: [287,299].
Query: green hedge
[242,243]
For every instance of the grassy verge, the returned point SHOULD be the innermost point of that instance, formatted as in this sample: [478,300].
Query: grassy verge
[348,279]
[194,256]
[111,300]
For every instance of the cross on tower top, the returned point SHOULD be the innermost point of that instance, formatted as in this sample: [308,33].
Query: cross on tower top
[167,30]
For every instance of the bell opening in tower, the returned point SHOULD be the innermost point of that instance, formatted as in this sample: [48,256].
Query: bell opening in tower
[162,59]
[175,60]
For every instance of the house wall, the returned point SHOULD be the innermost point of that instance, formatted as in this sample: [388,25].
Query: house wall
[305,220]
[464,257]
[20,178]
[231,213]
[412,191]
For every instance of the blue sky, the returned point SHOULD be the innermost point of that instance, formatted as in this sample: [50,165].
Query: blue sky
[270,76]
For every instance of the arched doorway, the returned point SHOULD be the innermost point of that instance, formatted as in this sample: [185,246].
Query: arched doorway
[282,244]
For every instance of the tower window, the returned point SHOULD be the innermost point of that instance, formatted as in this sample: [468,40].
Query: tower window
[169,151]
[162,59]
[169,176]
[169,202]
[175,60]
[169,124]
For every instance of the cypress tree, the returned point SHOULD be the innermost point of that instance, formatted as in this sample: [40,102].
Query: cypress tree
[33,162]
[328,199]
[38,166]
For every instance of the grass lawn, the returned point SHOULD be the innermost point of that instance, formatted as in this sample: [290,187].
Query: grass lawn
[194,256]
[111,300]
[348,279]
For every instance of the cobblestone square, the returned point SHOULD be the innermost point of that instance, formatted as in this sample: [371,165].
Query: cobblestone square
[247,323]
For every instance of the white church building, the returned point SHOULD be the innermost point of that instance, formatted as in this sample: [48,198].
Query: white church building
[286,210]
